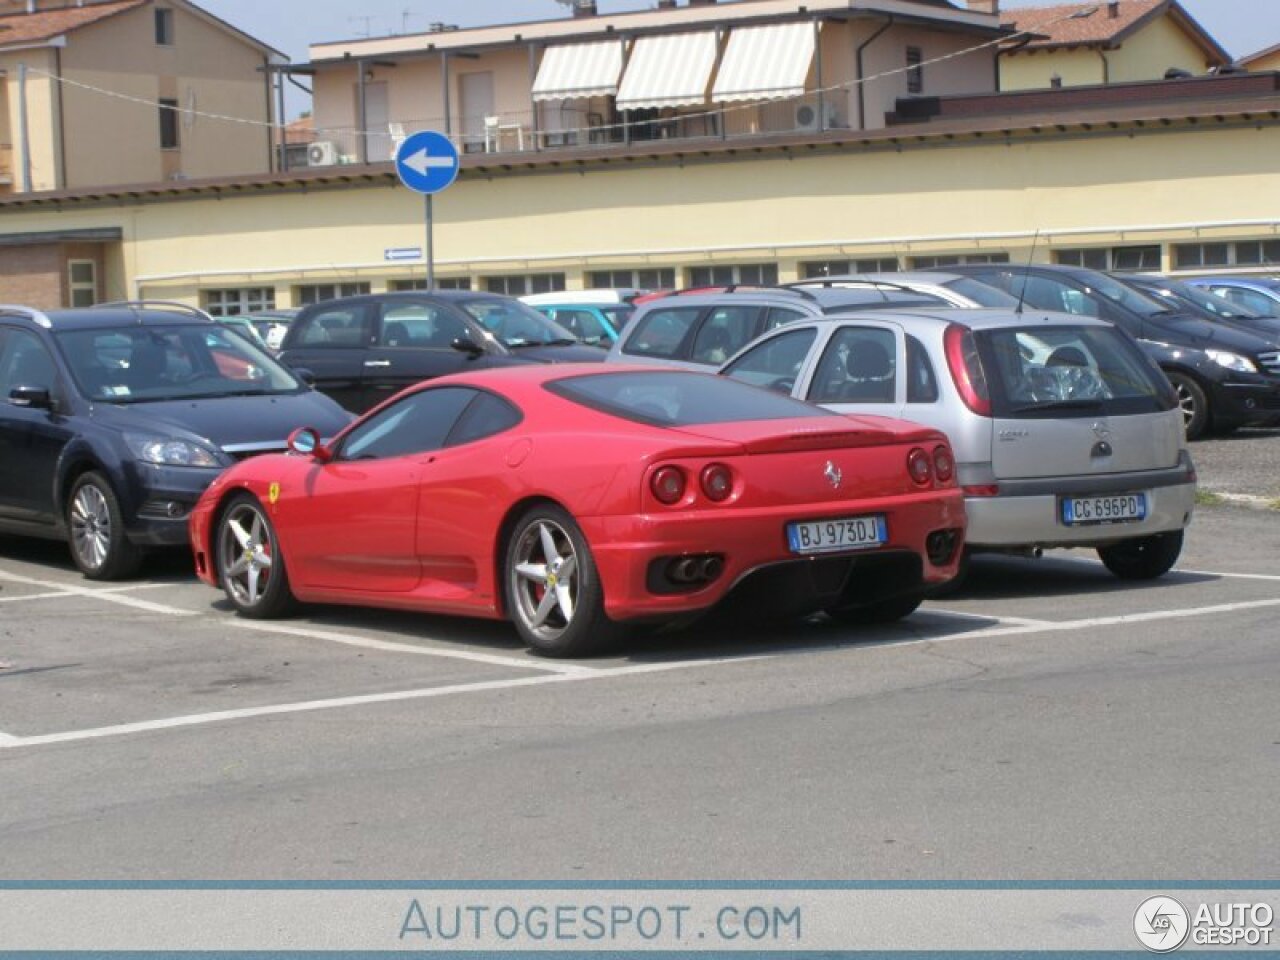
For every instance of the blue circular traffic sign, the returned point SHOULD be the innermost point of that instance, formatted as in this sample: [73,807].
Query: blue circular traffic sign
[427,162]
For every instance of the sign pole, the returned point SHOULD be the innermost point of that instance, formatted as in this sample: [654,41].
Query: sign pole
[430,251]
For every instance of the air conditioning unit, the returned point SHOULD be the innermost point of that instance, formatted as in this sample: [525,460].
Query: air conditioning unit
[807,116]
[322,153]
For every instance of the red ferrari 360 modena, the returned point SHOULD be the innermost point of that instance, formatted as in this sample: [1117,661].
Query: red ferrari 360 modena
[575,499]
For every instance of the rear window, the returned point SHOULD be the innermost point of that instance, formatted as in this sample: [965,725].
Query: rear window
[1065,371]
[676,399]
[980,293]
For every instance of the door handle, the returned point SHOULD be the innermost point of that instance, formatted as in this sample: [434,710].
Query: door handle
[377,363]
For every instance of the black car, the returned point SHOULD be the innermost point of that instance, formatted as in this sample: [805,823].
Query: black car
[1186,296]
[1225,376]
[114,419]
[361,350]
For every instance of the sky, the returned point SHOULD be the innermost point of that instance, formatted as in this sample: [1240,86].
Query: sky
[1242,26]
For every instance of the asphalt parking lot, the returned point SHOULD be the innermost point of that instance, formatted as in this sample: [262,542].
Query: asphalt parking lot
[1046,722]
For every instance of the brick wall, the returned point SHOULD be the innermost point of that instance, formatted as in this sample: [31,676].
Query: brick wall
[33,275]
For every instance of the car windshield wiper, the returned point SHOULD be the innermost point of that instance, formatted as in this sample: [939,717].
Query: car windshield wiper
[560,342]
[1060,405]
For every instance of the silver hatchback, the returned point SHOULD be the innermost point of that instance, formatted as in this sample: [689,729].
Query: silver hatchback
[1065,434]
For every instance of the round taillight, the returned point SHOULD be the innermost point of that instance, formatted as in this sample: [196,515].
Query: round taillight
[668,484]
[919,467]
[944,465]
[717,482]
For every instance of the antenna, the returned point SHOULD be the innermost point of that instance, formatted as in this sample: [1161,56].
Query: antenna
[1026,273]
[366,20]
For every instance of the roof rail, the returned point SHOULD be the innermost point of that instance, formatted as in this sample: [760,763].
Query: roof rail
[835,282]
[729,288]
[138,305]
[31,313]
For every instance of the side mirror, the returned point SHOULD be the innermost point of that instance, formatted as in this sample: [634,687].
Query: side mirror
[33,398]
[467,345]
[306,375]
[306,443]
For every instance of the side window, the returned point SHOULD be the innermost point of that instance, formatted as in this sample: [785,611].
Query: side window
[416,424]
[24,362]
[725,331]
[339,327]
[1046,294]
[1251,299]
[581,323]
[858,366]
[660,333]
[780,315]
[419,325]
[485,416]
[922,383]
[776,362]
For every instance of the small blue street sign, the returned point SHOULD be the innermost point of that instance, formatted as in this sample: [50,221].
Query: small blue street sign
[427,162]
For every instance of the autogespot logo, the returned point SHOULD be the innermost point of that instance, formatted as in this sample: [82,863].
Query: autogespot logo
[1161,924]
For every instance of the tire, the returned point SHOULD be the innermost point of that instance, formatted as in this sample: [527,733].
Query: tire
[882,611]
[552,587]
[1143,558]
[95,531]
[1194,403]
[247,552]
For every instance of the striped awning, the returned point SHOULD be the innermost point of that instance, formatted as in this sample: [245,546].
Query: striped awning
[763,63]
[579,70]
[672,70]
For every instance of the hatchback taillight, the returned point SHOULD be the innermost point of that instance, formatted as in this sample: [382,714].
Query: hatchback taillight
[966,369]
[919,467]
[667,484]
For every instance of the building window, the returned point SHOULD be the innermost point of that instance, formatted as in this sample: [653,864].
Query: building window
[1203,255]
[723,275]
[233,302]
[659,279]
[82,282]
[915,70]
[168,124]
[316,292]
[836,268]
[951,260]
[1124,259]
[164,27]
[1259,252]
[420,283]
[521,284]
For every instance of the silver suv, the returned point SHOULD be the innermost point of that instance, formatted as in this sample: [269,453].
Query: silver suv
[1065,434]
[702,328]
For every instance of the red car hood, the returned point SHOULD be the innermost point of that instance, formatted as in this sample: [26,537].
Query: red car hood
[811,433]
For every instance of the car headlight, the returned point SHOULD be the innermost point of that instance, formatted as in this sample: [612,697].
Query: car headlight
[171,451]
[1232,361]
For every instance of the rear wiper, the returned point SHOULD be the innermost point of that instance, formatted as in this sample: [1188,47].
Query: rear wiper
[1060,405]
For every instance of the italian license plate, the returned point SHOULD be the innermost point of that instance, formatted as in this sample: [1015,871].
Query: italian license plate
[845,533]
[1122,508]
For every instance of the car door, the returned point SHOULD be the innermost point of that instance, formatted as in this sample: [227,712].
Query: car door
[31,439]
[413,342]
[332,340]
[354,526]
[860,370]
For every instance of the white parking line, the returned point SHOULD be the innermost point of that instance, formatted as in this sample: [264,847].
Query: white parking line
[1230,576]
[61,594]
[8,742]
[109,594]
[962,615]
[519,663]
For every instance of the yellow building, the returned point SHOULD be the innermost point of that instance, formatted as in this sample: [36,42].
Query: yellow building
[115,92]
[1263,60]
[1104,41]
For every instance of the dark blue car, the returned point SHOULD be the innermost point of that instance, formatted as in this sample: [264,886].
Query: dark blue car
[114,419]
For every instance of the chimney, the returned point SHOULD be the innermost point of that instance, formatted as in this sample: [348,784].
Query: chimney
[1113,9]
[985,6]
[666,4]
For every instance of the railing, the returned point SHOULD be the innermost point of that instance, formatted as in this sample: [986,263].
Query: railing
[578,128]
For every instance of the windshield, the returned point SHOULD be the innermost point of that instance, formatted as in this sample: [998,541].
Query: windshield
[173,362]
[675,399]
[1069,370]
[1126,296]
[515,325]
[980,293]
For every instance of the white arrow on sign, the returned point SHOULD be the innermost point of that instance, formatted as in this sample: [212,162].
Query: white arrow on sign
[422,161]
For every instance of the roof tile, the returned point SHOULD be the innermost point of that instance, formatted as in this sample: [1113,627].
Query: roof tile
[26,28]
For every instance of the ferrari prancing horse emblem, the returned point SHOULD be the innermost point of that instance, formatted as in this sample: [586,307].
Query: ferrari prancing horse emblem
[833,475]
[273,493]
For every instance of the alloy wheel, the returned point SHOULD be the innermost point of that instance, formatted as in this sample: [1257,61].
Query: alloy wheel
[545,579]
[91,526]
[246,548]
